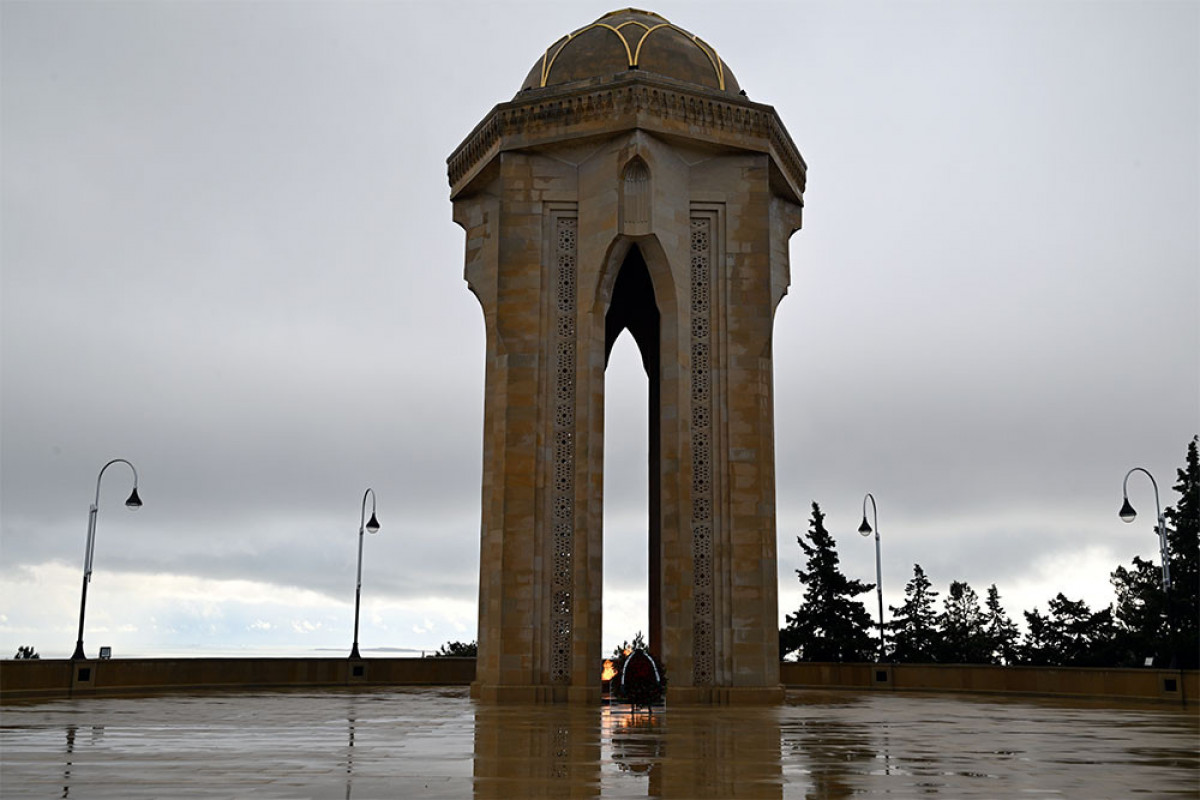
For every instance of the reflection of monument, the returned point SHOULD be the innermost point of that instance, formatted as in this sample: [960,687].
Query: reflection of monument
[725,753]
[536,752]
[570,751]
[629,185]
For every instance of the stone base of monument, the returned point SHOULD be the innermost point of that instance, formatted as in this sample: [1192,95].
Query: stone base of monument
[579,695]
[592,695]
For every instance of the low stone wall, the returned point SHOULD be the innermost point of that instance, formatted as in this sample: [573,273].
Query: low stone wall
[51,678]
[1150,685]
[59,678]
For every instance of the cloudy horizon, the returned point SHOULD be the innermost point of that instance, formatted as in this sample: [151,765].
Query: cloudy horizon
[227,255]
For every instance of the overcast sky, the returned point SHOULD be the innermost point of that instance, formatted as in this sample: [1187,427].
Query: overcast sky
[228,257]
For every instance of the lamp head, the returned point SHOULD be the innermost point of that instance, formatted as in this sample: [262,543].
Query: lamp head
[865,528]
[134,502]
[372,524]
[1127,514]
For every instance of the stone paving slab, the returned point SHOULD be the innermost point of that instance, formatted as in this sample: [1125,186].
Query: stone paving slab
[437,743]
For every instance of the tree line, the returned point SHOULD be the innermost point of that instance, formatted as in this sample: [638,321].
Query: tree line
[1144,624]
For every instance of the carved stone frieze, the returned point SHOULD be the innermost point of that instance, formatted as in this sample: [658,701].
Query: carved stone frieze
[551,116]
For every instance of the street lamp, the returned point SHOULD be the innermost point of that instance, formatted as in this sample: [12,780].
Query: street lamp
[134,502]
[865,530]
[370,526]
[1127,514]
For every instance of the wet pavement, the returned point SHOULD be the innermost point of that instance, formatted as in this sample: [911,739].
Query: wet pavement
[437,743]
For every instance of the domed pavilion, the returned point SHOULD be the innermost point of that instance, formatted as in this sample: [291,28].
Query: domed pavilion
[630,184]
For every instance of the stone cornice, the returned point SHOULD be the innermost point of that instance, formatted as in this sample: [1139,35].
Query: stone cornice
[632,101]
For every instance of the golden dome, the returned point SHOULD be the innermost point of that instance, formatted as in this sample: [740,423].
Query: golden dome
[626,40]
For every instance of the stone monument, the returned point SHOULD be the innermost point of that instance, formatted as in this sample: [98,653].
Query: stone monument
[630,184]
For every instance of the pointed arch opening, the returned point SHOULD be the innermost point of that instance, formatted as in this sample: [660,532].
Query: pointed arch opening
[633,308]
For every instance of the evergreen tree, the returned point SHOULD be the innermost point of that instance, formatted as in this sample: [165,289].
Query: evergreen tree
[1069,629]
[1000,631]
[1140,614]
[1072,635]
[961,624]
[914,625]
[828,625]
[1104,643]
[1035,648]
[1183,541]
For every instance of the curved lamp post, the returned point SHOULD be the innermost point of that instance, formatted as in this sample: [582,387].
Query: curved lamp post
[134,502]
[865,529]
[370,526]
[1127,514]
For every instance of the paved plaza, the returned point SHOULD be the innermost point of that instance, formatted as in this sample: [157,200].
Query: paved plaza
[437,743]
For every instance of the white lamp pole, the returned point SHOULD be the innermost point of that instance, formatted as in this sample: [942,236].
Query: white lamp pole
[134,502]
[865,529]
[1127,514]
[369,526]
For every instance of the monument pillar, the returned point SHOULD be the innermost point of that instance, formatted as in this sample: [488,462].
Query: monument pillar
[628,185]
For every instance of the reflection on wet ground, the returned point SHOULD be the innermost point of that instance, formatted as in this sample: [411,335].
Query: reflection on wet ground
[437,743]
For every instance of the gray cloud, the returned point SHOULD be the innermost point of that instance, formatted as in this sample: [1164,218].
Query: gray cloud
[228,256]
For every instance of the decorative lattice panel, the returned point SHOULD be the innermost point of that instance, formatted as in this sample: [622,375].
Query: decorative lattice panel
[562,487]
[702,453]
